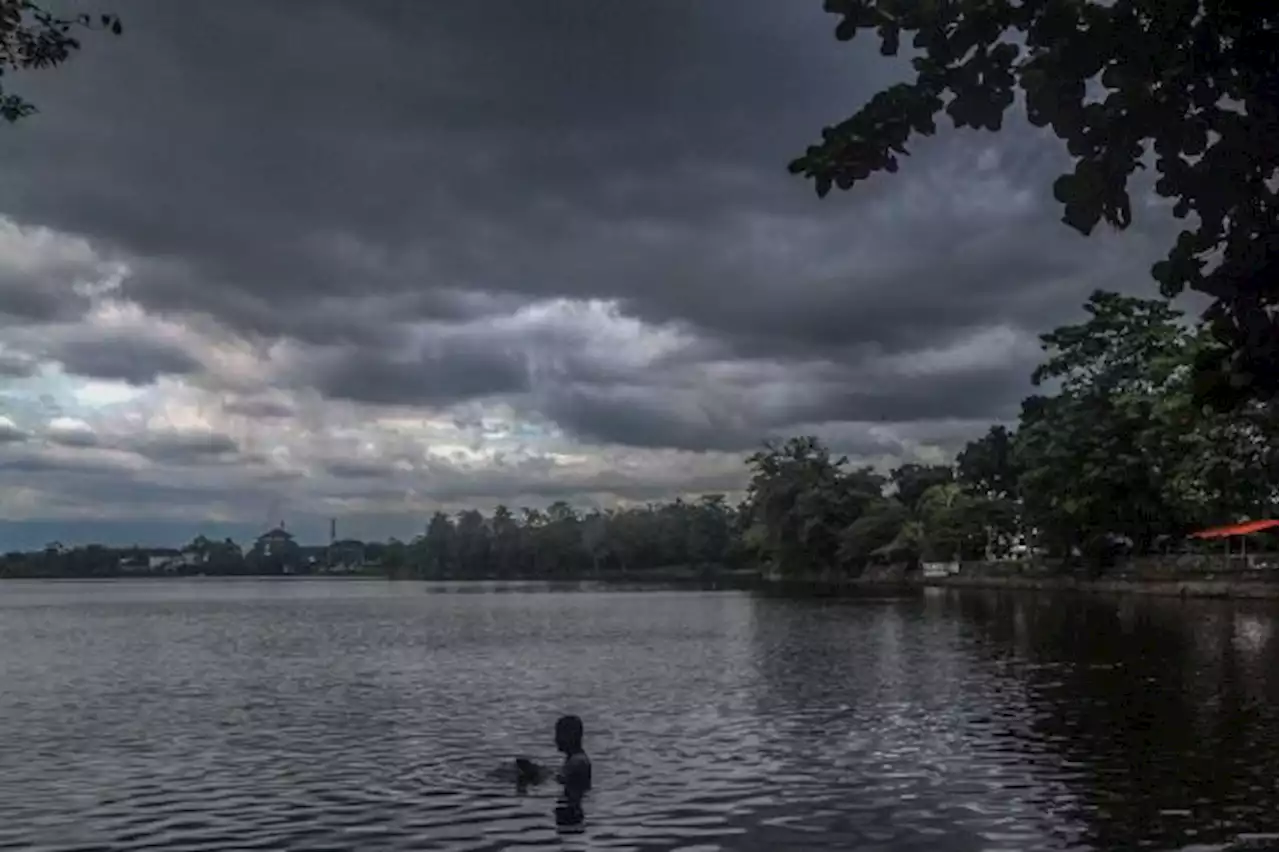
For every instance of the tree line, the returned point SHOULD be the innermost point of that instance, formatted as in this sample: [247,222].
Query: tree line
[1118,451]
[1115,451]
[679,539]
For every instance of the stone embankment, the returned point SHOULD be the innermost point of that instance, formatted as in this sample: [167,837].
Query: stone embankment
[1180,575]
[1187,576]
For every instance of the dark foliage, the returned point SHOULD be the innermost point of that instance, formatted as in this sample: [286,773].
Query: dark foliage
[1188,85]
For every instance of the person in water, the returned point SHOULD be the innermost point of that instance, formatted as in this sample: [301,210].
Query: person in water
[575,774]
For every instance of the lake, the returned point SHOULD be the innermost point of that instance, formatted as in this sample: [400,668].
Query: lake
[368,715]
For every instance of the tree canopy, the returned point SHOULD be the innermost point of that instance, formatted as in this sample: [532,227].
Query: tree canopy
[1188,85]
[1124,447]
[33,38]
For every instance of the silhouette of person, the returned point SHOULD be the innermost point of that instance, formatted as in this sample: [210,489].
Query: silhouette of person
[575,774]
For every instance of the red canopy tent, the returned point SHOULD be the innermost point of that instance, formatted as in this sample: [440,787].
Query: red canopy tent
[1236,529]
[1226,533]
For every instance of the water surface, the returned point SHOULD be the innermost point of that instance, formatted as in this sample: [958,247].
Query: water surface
[354,715]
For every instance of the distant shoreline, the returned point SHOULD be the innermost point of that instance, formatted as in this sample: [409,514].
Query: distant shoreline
[674,581]
[1255,586]
[1232,589]
[1247,589]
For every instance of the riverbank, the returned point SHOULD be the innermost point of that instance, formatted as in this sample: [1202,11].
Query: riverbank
[881,582]
[1186,575]
[1243,589]
[1213,589]
[1168,577]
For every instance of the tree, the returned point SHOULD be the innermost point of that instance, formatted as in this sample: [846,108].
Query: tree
[1225,463]
[709,531]
[32,38]
[986,468]
[394,558]
[474,542]
[437,547]
[878,531]
[1190,83]
[1089,469]
[911,481]
[800,501]
[961,525]
[506,543]
[1124,448]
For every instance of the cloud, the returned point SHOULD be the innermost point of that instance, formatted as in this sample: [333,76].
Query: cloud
[184,448]
[17,365]
[357,469]
[258,408]
[513,254]
[133,361]
[9,431]
[435,373]
[46,275]
[71,432]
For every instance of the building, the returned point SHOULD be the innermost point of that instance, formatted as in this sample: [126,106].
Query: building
[164,559]
[155,560]
[345,556]
[276,542]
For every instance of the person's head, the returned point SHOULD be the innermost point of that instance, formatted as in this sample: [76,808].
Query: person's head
[569,734]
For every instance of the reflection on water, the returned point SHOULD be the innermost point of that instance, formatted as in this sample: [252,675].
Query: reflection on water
[365,715]
[1171,722]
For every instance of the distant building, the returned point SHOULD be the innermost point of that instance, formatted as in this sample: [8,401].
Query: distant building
[134,563]
[346,555]
[276,542]
[277,551]
[154,560]
[312,556]
[164,559]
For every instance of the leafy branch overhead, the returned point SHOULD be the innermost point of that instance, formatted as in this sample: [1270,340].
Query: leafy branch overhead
[1190,84]
[33,38]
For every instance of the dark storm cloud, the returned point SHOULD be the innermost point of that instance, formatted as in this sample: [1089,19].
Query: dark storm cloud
[539,483]
[166,447]
[14,365]
[462,130]
[656,415]
[44,292]
[648,417]
[184,448]
[99,487]
[260,409]
[135,360]
[993,392]
[454,161]
[438,373]
[32,462]
[352,469]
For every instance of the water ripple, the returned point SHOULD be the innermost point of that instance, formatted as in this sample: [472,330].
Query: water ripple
[368,716]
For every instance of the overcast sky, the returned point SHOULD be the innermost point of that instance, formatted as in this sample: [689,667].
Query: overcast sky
[267,260]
